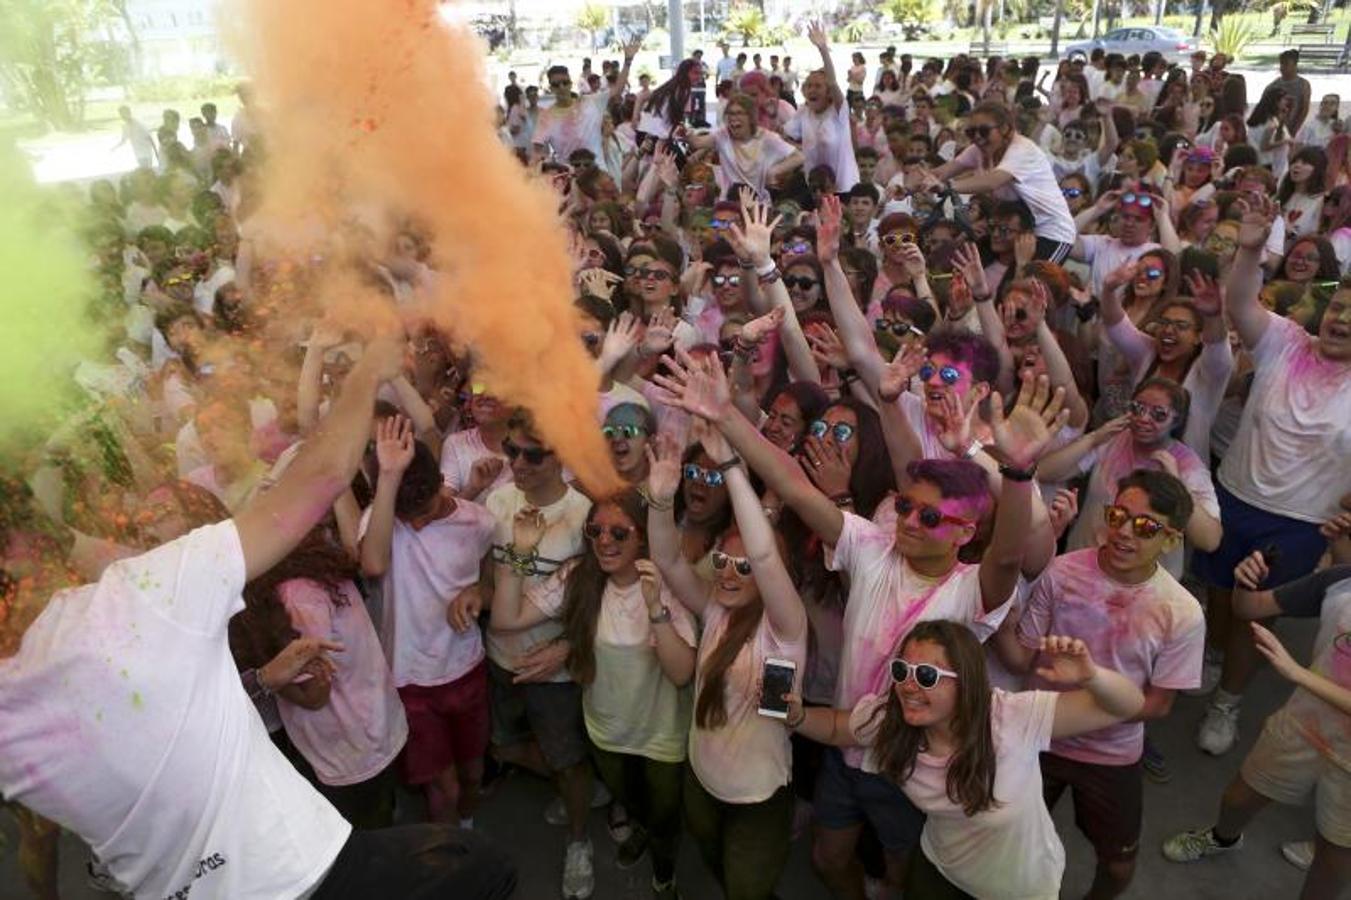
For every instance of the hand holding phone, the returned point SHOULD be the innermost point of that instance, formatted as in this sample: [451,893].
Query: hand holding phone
[776,681]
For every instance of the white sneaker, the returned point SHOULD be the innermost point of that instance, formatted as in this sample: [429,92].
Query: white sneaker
[1211,668]
[579,876]
[556,813]
[1298,853]
[1219,729]
[1189,846]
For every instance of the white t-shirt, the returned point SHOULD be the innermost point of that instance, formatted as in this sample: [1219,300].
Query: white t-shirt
[1205,383]
[1290,454]
[749,757]
[575,127]
[1326,727]
[748,162]
[1303,214]
[123,719]
[1105,254]
[887,599]
[630,706]
[362,728]
[1153,633]
[1011,850]
[563,539]
[1035,184]
[428,567]
[1316,132]
[1118,458]
[460,451]
[827,140]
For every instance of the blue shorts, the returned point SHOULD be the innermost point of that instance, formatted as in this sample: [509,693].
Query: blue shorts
[1297,545]
[846,797]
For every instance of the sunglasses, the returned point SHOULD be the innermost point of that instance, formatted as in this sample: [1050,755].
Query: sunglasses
[803,282]
[929,516]
[710,477]
[618,533]
[720,224]
[1177,324]
[561,83]
[1144,201]
[1072,193]
[627,432]
[949,375]
[1159,414]
[797,248]
[897,327]
[592,339]
[977,131]
[1153,273]
[646,274]
[893,238]
[726,280]
[1075,135]
[1144,527]
[532,455]
[740,563]
[926,675]
[842,432]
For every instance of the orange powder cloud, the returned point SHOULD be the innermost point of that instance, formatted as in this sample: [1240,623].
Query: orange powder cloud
[379,105]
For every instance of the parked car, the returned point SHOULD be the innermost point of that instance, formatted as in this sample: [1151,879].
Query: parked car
[1173,44]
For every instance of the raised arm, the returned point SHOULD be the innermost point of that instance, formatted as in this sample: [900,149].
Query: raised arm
[324,337]
[783,606]
[510,611]
[675,656]
[1248,316]
[663,535]
[630,51]
[1061,375]
[394,452]
[1020,438]
[1103,697]
[275,522]
[700,388]
[1062,464]
[852,325]
[816,33]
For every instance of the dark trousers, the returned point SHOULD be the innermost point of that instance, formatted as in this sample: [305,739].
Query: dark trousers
[650,792]
[367,804]
[418,862]
[744,845]
[924,880]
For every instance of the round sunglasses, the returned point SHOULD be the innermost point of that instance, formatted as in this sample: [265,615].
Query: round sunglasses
[627,432]
[926,675]
[721,560]
[929,516]
[1142,526]
[710,477]
[842,432]
[618,533]
[532,455]
[949,375]
[1159,414]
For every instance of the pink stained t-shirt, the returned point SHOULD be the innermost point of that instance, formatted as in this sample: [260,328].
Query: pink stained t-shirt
[887,599]
[1153,633]
[362,728]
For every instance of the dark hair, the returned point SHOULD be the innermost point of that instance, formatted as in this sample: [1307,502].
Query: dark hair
[865,191]
[1170,278]
[669,100]
[956,479]
[586,586]
[871,477]
[724,519]
[811,399]
[421,482]
[920,312]
[1178,399]
[1240,156]
[967,347]
[1197,260]
[865,262]
[1167,494]
[596,308]
[1266,105]
[971,769]
[1329,269]
[1316,158]
[1015,208]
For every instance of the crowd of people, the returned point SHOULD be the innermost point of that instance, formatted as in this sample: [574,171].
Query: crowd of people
[993,405]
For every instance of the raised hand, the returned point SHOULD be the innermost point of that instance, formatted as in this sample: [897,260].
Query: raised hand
[1024,249]
[912,258]
[711,439]
[826,346]
[660,334]
[1259,211]
[1122,275]
[1252,571]
[632,47]
[620,339]
[1205,292]
[826,465]
[664,162]
[756,228]
[1063,510]
[482,474]
[1067,661]
[1271,647]
[1024,434]
[394,445]
[1110,429]
[598,283]
[663,467]
[761,327]
[828,218]
[327,334]
[527,529]
[385,355]
[956,420]
[896,374]
[816,33]
[966,260]
[697,386]
[1166,462]
[650,580]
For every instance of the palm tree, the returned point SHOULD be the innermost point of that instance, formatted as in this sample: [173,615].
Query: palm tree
[591,18]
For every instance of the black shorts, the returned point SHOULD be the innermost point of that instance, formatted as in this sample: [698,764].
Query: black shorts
[416,861]
[846,797]
[1108,802]
[550,713]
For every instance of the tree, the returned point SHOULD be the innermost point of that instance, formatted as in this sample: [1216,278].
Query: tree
[591,18]
[911,15]
[747,21]
[49,53]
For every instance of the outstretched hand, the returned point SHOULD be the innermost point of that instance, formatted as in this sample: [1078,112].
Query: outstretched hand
[698,386]
[1068,662]
[828,218]
[663,467]
[755,229]
[1024,434]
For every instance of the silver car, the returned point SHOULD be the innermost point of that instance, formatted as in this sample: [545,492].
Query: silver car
[1173,44]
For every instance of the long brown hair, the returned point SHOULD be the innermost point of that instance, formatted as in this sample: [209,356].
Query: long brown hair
[710,708]
[586,585]
[971,771]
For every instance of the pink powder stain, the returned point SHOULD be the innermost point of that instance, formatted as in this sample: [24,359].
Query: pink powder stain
[1341,659]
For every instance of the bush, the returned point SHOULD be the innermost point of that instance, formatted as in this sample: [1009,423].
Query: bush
[167,90]
[1233,37]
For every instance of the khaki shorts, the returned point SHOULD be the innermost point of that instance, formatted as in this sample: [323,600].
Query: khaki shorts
[1285,767]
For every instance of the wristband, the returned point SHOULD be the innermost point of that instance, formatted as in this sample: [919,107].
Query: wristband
[976,447]
[800,719]
[747,264]
[772,277]
[663,616]
[842,500]
[766,269]
[729,465]
[653,503]
[1013,474]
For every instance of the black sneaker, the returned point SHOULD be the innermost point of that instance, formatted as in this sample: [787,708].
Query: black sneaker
[631,851]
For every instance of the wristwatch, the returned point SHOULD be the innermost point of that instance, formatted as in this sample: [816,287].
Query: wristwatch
[663,616]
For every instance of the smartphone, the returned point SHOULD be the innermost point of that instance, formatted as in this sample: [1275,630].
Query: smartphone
[777,681]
